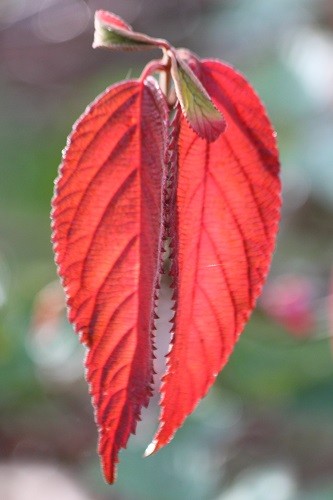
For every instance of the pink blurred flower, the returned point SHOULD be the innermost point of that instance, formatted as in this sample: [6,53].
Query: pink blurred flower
[289,300]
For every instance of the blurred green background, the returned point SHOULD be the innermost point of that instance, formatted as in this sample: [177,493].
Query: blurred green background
[265,431]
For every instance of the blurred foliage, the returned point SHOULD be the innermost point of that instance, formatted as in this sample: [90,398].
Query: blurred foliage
[265,430]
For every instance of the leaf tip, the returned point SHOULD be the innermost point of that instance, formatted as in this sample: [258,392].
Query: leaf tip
[99,35]
[211,126]
[151,449]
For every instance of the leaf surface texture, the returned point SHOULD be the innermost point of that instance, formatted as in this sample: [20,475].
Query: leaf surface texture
[107,214]
[224,225]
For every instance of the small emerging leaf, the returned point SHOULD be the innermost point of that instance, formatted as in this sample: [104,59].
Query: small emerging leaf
[113,33]
[202,115]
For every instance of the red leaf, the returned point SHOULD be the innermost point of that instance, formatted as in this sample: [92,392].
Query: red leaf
[112,20]
[227,211]
[107,236]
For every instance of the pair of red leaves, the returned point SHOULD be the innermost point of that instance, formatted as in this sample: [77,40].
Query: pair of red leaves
[129,180]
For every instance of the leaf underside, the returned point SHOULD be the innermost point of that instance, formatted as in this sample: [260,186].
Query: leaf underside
[224,228]
[203,117]
[113,33]
[107,214]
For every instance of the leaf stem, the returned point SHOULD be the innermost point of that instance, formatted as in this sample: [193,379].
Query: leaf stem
[152,67]
[164,77]
[163,66]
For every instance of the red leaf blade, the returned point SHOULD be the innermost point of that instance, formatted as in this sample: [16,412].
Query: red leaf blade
[107,237]
[227,212]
